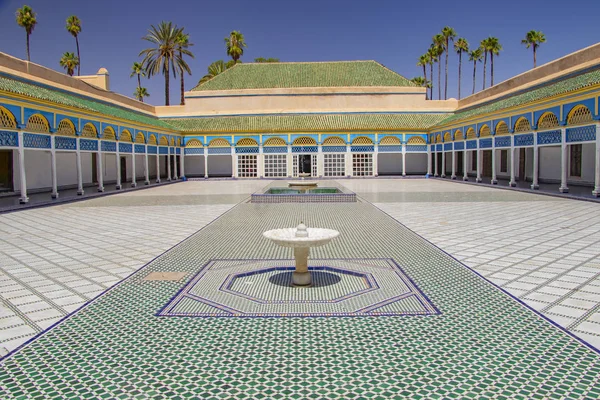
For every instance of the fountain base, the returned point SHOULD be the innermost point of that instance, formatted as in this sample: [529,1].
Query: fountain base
[301,279]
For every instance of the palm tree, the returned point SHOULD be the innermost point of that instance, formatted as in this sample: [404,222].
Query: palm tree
[423,61]
[460,46]
[475,56]
[421,82]
[438,46]
[534,39]
[214,69]
[484,45]
[165,56]
[431,54]
[266,60]
[449,34]
[69,61]
[235,45]
[493,47]
[137,69]
[74,28]
[140,93]
[26,19]
[183,42]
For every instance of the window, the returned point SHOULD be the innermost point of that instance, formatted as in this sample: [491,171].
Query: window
[275,165]
[335,164]
[247,166]
[575,160]
[503,160]
[362,164]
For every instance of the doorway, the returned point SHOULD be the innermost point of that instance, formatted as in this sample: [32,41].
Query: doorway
[94,167]
[6,170]
[522,164]
[487,163]
[123,169]
[460,163]
[305,163]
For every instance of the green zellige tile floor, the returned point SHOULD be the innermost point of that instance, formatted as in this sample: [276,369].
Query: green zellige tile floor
[477,342]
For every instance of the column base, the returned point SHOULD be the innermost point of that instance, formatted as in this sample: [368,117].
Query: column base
[512,184]
[158,181]
[80,192]
[435,175]
[535,187]
[443,176]
[465,179]
[101,189]
[453,177]
[494,182]
[118,187]
[54,195]
[169,180]
[563,189]
[301,279]
[133,184]
[146,183]
[23,200]
[478,180]
[596,192]
[404,174]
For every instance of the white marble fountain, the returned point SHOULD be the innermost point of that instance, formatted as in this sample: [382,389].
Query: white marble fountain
[302,182]
[301,239]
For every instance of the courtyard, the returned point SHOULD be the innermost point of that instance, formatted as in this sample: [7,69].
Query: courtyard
[109,297]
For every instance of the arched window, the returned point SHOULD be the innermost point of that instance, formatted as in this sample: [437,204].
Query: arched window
[163,141]
[362,141]
[458,135]
[548,120]
[485,131]
[65,128]
[125,137]
[89,131]
[580,115]
[37,123]
[471,133]
[7,120]
[178,142]
[416,141]
[139,138]
[522,125]
[502,129]
[304,141]
[172,143]
[447,137]
[247,142]
[334,141]
[275,141]
[152,140]
[390,141]
[438,138]
[109,133]
[219,142]
[193,143]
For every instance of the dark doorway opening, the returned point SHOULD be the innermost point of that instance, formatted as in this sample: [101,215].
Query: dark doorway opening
[94,167]
[522,164]
[6,171]
[123,169]
[460,163]
[305,163]
[487,163]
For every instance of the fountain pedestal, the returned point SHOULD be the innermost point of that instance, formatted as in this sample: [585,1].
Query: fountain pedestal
[301,239]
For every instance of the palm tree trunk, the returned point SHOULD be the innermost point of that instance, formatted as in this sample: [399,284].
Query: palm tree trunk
[459,71]
[484,68]
[140,98]
[167,86]
[425,76]
[439,80]
[78,57]
[182,83]
[28,58]
[474,72]
[446,77]
[431,88]
[534,58]
[492,68]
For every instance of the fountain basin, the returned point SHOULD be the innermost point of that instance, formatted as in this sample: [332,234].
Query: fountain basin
[302,183]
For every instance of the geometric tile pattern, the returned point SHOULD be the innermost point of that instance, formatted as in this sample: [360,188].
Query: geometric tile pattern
[483,344]
[251,288]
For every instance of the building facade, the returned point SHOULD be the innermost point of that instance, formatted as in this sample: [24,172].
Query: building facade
[327,119]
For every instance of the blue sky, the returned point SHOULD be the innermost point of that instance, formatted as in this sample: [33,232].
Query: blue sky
[394,33]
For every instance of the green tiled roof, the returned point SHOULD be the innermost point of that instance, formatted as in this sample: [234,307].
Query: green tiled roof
[553,89]
[304,74]
[307,122]
[65,99]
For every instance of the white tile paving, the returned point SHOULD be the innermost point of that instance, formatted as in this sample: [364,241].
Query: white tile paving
[543,250]
[53,260]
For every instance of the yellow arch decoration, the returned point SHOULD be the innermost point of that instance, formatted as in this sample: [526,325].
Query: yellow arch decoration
[458,135]
[139,138]
[125,137]
[247,142]
[416,141]
[390,141]
[89,131]
[547,120]
[334,141]
[304,141]
[172,143]
[485,131]
[438,138]
[163,141]
[580,115]
[178,142]
[275,141]
[109,134]
[219,142]
[471,133]
[522,125]
[193,143]
[152,140]
[65,128]
[447,137]
[362,141]
[37,123]
[502,129]
[7,119]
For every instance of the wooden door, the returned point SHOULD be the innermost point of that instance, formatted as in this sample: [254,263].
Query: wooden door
[94,167]
[487,163]
[6,170]
[522,152]
[123,169]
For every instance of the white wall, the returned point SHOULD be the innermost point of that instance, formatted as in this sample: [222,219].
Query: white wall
[389,163]
[588,162]
[549,163]
[194,166]
[139,167]
[152,166]
[219,165]
[38,171]
[416,163]
[109,165]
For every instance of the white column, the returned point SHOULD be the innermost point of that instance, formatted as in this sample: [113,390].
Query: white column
[443,171]
[168,163]
[133,172]
[290,161]
[53,169]
[348,163]
[100,167]
[453,166]
[260,162]
[596,191]
[234,163]
[479,163]
[494,180]
[182,163]
[205,162]
[404,160]
[118,187]
[428,159]
[320,162]
[79,172]
[513,161]
[535,185]
[21,151]
[563,161]
[435,161]
[175,166]
[376,160]
[465,164]
[157,164]
[146,170]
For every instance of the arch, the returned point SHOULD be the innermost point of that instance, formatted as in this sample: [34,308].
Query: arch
[447,137]
[65,128]
[178,142]
[547,120]
[579,115]
[109,133]
[485,131]
[438,138]
[334,141]
[458,135]
[125,136]
[37,123]
[152,139]
[522,125]
[172,142]
[139,138]
[275,141]
[502,129]
[471,133]
[390,141]
[219,142]
[89,131]
[7,119]
[304,141]
[193,143]
[247,142]
[362,141]
[163,141]
[416,141]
